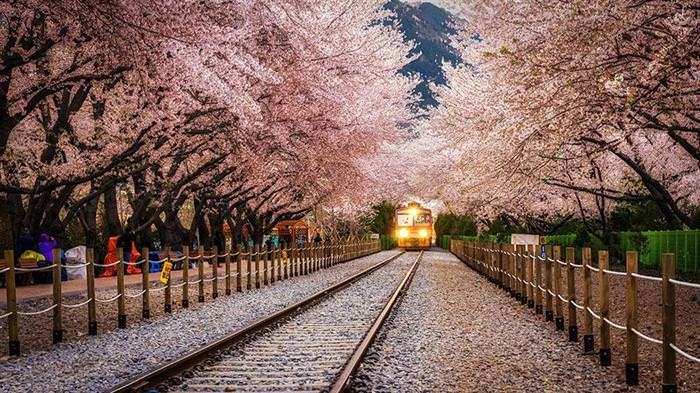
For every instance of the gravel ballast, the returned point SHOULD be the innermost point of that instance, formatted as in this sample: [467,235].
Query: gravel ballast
[455,332]
[100,362]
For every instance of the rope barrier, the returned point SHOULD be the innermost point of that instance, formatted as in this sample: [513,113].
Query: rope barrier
[194,282]
[108,300]
[182,284]
[577,265]
[38,312]
[159,288]
[223,255]
[644,336]
[107,265]
[178,259]
[563,299]
[135,295]
[595,269]
[684,283]
[75,266]
[3,316]
[580,307]
[614,272]
[613,324]
[7,269]
[34,269]
[651,278]
[135,263]
[684,353]
[77,305]
[596,316]
[208,279]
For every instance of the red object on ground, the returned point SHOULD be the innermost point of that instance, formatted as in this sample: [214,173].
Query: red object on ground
[111,257]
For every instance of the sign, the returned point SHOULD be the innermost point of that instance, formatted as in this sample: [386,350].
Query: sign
[543,253]
[375,236]
[165,273]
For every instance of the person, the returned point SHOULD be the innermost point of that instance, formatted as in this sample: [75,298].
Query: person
[317,239]
[300,241]
[45,247]
[25,242]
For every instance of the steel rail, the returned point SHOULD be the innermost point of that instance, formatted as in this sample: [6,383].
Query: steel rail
[161,374]
[343,381]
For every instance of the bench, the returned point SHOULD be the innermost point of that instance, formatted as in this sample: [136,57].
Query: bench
[25,278]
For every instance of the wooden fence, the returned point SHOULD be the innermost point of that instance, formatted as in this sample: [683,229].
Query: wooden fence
[264,267]
[533,276]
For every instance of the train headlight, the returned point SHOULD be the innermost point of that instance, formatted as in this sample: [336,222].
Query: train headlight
[403,233]
[423,233]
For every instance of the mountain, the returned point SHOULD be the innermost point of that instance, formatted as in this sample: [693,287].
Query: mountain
[429,27]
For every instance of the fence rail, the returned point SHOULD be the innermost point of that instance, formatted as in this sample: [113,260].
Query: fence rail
[534,279]
[265,266]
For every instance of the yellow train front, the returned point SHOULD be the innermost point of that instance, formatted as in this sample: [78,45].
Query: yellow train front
[414,227]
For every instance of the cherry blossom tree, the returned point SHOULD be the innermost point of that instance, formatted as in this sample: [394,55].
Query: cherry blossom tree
[567,106]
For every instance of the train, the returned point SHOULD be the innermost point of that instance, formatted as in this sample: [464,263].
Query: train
[414,227]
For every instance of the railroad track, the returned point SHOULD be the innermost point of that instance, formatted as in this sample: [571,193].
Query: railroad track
[314,345]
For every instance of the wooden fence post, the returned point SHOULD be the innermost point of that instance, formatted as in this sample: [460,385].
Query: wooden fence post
[284,260]
[167,291]
[523,278]
[632,342]
[588,340]
[668,316]
[200,275]
[278,253]
[273,263]
[11,291]
[57,297]
[571,293]
[249,266]
[239,268]
[146,300]
[559,305]
[265,263]
[530,273]
[227,269]
[549,298]
[257,266]
[185,281]
[605,353]
[215,273]
[121,301]
[538,282]
[92,304]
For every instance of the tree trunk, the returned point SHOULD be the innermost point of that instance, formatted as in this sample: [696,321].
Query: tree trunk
[114,225]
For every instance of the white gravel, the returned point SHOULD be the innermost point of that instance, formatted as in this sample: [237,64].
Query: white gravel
[100,362]
[455,332]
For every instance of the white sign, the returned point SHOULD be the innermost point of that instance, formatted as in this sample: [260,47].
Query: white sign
[524,239]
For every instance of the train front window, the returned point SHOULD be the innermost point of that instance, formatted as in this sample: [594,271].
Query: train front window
[422,219]
[405,220]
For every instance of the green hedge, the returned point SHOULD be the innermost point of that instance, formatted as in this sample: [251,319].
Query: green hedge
[387,242]
[650,245]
